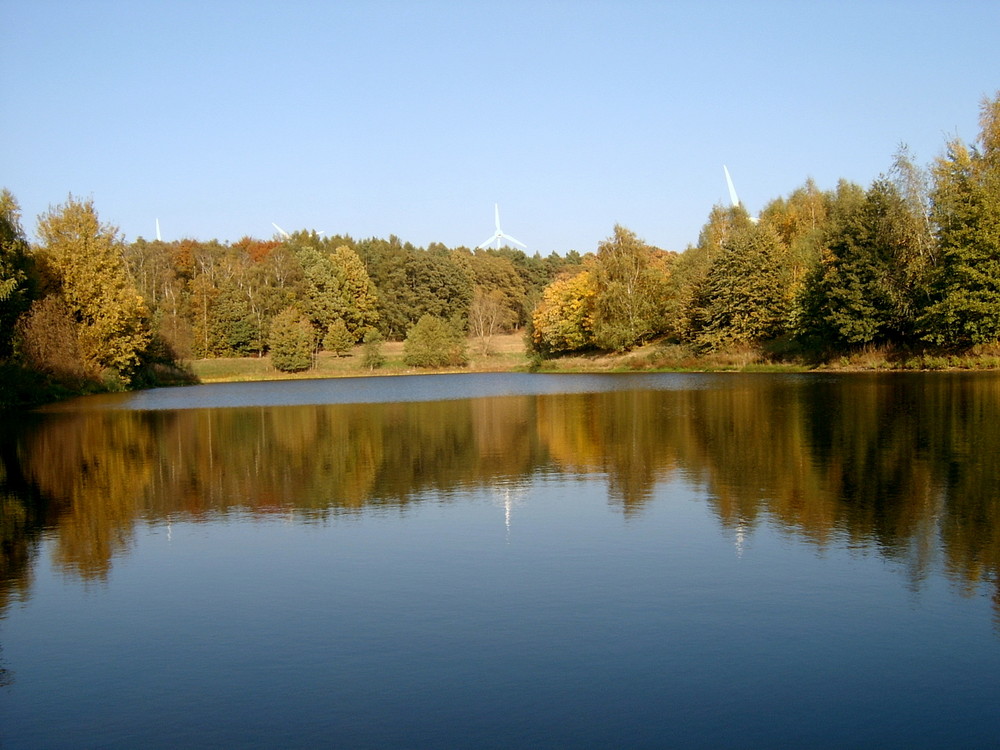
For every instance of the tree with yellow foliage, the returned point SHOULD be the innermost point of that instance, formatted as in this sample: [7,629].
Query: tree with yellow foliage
[84,265]
[563,321]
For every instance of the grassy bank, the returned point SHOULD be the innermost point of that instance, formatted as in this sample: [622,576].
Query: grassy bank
[500,354]
[508,354]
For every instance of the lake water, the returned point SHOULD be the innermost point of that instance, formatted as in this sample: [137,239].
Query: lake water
[506,561]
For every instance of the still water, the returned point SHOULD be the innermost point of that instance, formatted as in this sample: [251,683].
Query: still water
[506,561]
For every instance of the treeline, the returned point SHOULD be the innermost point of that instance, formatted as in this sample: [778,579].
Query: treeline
[911,262]
[83,309]
[217,300]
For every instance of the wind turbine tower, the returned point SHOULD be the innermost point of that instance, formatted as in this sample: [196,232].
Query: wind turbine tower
[499,234]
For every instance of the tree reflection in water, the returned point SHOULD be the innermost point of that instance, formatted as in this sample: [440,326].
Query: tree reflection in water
[896,464]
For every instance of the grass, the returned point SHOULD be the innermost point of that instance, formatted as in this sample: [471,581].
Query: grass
[508,354]
[501,354]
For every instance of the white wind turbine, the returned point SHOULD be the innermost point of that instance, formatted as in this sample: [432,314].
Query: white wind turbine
[733,198]
[158,237]
[285,235]
[499,235]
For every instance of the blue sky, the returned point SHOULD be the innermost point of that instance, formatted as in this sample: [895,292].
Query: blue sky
[413,118]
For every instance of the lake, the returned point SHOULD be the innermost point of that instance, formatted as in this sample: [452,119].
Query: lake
[506,560]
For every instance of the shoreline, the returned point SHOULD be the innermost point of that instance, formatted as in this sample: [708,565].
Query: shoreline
[508,354]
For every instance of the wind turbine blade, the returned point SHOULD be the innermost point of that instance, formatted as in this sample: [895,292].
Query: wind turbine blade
[158,237]
[281,231]
[516,242]
[732,189]
[496,215]
[487,242]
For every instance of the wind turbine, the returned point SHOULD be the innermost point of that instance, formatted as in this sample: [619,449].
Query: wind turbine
[733,197]
[499,235]
[158,237]
[287,236]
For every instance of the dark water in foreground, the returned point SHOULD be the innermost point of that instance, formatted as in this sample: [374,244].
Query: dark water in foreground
[507,561]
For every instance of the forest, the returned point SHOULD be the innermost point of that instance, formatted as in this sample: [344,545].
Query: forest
[910,263]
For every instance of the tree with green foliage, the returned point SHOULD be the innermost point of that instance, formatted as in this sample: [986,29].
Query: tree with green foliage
[234,326]
[747,290]
[16,291]
[338,339]
[868,289]
[964,308]
[631,280]
[372,355]
[386,262]
[358,294]
[433,342]
[814,325]
[291,341]
[799,221]
[323,296]
[84,263]
[687,291]
[496,279]
[337,286]
[412,283]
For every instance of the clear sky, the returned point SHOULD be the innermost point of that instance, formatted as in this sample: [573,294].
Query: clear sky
[218,117]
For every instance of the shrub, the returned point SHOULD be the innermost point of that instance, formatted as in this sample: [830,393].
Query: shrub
[291,341]
[433,342]
[372,355]
[338,339]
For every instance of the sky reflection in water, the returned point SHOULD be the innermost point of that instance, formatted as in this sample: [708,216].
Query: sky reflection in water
[699,561]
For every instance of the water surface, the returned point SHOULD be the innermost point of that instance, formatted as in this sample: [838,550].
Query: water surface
[507,560]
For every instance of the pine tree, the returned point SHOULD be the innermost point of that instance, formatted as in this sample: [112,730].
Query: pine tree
[747,288]
[338,339]
[965,285]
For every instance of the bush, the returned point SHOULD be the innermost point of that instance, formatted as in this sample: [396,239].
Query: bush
[372,355]
[338,339]
[291,341]
[433,342]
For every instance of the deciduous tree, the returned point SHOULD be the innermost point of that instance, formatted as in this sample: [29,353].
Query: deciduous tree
[291,341]
[86,262]
[15,290]
[433,342]
[631,283]
[563,321]
[488,315]
[372,355]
